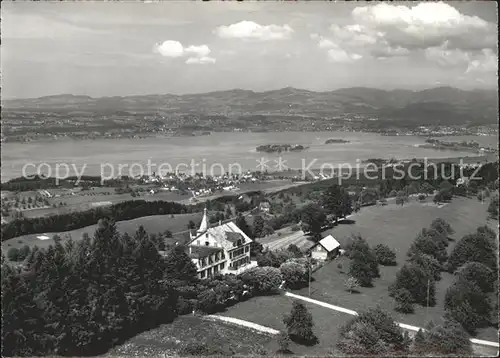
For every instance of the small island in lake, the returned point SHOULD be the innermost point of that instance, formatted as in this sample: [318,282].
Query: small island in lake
[334,140]
[273,148]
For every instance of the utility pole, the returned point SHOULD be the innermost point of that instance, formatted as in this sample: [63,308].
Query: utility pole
[309,280]
[427,308]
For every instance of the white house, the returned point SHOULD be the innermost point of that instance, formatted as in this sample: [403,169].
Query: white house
[326,248]
[224,249]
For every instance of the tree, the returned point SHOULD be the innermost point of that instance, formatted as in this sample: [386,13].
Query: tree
[429,244]
[258,226]
[295,251]
[448,339]
[421,287]
[179,266]
[493,207]
[363,265]
[426,188]
[442,227]
[401,198]
[336,200]
[264,280]
[207,301]
[477,273]
[313,219]
[404,301]
[191,225]
[428,264]
[243,225]
[385,256]
[299,324]
[13,254]
[295,275]
[476,247]
[465,303]
[351,283]
[373,332]
[255,248]
[442,196]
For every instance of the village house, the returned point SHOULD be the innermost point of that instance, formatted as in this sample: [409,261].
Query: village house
[223,249]
[265,207]
[326,249]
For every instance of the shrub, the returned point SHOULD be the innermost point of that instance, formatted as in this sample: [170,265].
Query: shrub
[295,227]
[385,256]
[264,280]
[351,283]
[443,227]
[422,197]
[295,274]
[284,343]
[184,306]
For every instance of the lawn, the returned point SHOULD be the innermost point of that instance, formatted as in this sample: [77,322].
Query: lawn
[152,224]
[167,339]
[269,311]
[396,227]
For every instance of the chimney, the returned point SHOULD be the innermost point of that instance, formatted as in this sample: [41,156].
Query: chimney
[190,250]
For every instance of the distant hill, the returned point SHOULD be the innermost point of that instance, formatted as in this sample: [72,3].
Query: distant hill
[445,105]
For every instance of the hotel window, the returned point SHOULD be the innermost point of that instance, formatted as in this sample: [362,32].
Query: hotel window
[207,243]
[222,256]
[198,242]
[222,266]
[247,248]
[202,274]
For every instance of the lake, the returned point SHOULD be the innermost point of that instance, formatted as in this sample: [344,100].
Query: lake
[227,151]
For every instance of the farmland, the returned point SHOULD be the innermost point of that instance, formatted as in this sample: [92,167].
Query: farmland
[167,339]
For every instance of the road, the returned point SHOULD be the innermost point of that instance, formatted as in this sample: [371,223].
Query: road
[480,346]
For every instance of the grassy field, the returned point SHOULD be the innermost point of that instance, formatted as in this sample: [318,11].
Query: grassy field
[269,311]
[167,339]
[152,224]
[397,227]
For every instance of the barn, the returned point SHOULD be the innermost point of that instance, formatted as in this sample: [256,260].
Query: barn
[326,249]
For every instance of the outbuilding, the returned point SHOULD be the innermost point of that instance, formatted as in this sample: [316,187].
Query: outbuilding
[326,249]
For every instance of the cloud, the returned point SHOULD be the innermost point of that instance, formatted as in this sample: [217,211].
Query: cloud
[427,24]
[339,55]
[170,48]
[200,51]
[197,54]
[471,62]
[252,30]
[200,60]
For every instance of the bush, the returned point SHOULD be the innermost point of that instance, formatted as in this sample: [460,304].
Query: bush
[295,227]
[284,343]
[372,333]
[404,301]
[385,256]
[443,227]
[351,283]
[208,301]
[184,306]
[264,280]
[295,274]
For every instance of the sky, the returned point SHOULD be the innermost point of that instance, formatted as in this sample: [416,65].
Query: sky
[133,48]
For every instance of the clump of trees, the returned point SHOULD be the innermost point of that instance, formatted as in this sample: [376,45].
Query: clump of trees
[415,280]
[373,333]
[477,247]
[363,265]
[447,339]
[299,324]
[385,256]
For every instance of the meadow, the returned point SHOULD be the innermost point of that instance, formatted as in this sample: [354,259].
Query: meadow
[396,227]
[152,224]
